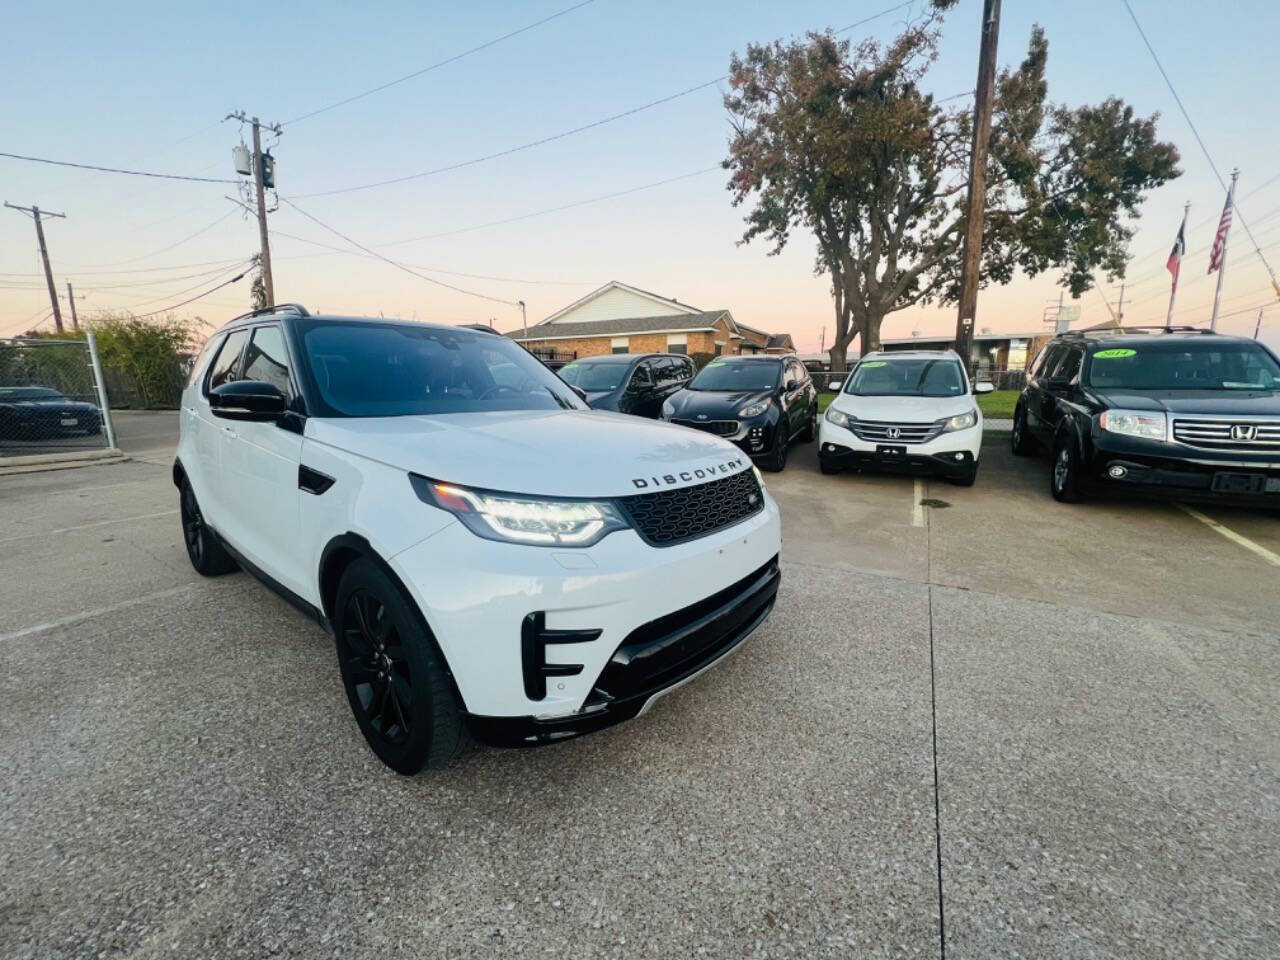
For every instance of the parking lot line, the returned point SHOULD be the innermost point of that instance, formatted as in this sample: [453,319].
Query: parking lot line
[88,526]
[1212,524]
[917,508]
[97,612]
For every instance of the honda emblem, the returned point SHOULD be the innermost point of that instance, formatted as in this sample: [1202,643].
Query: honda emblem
[893,433]
[1244,431]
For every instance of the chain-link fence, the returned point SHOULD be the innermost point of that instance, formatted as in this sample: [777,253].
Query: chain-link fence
[51,397]
[1002,379]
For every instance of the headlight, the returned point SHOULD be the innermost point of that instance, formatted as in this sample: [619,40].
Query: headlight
[754,410]
[838,418]
[961,421]
[511,518]
[1134,423]
[668,410]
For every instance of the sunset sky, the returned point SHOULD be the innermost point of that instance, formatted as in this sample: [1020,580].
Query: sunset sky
[145,86]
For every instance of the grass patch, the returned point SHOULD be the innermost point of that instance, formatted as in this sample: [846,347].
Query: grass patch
[824,401]
[998,404]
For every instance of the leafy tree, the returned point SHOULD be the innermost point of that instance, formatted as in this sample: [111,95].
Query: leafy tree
[840,141]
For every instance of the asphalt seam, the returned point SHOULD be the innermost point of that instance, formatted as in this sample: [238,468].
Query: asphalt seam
[933,716]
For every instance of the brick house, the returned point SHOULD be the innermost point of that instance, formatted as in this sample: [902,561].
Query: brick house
[618,318]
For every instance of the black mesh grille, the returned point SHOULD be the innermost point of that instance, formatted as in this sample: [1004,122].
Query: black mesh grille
[672,516]
[723,428]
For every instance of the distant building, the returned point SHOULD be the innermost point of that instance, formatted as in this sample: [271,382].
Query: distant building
[991,351]
[618,318]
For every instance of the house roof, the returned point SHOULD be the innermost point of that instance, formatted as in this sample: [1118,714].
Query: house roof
[780,340]
[671,323]
[950,337]
[657,298]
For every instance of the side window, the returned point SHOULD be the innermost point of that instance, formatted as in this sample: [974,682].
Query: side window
[1069,366]
[665,370]
[267,358]
[1048,360]
[226,366]
[198,366]
[642,376]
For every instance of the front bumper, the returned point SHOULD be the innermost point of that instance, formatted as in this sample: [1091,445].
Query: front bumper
[950,454]
[587,604]
[1152,468]
[654,659]
[753,437]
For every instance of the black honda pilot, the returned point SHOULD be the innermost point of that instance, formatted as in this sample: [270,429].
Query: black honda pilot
[1180,412]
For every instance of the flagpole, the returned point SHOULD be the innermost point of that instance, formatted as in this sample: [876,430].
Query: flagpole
[1173,292]
[1222,269]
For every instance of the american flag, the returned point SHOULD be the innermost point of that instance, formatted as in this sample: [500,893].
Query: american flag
[1179,248]
[1219,251]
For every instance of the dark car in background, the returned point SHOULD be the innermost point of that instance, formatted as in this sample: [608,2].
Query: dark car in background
[629,383]
[1182,413]
[760,403]
[42,413]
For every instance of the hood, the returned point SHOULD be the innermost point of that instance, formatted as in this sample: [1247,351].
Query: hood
[903,409]
[558,453]
[79,406]
[1222,403]
[714,404]
[602,399]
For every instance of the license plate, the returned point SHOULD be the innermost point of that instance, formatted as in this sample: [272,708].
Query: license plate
[69,421]
[1238,483]
[891,453]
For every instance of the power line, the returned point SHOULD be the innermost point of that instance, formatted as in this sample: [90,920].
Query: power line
[100,169]
[199,296]
[1203,149]
[564,133]
[398,266]
[244,264]
[437,64]
[175,266]
[176,243]
[452,273]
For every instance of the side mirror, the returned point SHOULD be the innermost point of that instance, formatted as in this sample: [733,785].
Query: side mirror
[835,384]
[253,400]
[791,385]
[984,387]
[1058,383]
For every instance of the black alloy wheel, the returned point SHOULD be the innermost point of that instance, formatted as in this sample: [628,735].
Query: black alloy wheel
[777,458]
[1065,482]
[375,660]
[395,677]
[203,549]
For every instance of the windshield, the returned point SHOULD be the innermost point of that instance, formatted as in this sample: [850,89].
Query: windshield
[736,375]
[1181,366]
[594,376]
[29,393]
[909,377]
[368,369]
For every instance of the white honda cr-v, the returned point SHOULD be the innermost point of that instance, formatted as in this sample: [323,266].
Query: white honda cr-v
[490,555]
[909,411]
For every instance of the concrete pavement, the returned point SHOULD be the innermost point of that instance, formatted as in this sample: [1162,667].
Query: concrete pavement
[181,775]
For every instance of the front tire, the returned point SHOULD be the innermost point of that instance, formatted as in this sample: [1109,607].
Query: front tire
[1021,441]
[1065,481]
[967,478]
[396,680]
[776,461]
[206,553]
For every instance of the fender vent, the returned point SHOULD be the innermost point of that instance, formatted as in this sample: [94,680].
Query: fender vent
[534,638]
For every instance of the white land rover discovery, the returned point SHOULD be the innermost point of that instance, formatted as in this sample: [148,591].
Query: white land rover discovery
[490,554]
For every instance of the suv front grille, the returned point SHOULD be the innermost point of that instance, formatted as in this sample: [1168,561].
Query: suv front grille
[721,428]
[673,516]
[883,431]
[1256,434]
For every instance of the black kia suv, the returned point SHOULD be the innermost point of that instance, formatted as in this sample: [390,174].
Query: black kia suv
[1178,412]
[762,403]
[629,383]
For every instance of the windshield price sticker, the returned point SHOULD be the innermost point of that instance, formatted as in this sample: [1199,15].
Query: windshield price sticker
[1114,354]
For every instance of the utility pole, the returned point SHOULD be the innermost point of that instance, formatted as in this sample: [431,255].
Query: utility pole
[259,188]
[36,214]
[524,320]
[1120,308]
[1222,266]
[976,206]
[1257,327]
[71,299]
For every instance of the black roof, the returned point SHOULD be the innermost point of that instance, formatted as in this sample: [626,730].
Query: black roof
[619,357]
[297,311]
[756,357]
[1142,335]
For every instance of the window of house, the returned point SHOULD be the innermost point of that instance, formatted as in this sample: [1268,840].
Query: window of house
[677,343]
[719,348]
[620,344]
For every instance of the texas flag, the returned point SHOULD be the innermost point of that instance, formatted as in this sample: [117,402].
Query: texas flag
[1179,248]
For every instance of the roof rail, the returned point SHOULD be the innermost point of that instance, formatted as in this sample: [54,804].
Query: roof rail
[296,309]
[1135,328]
